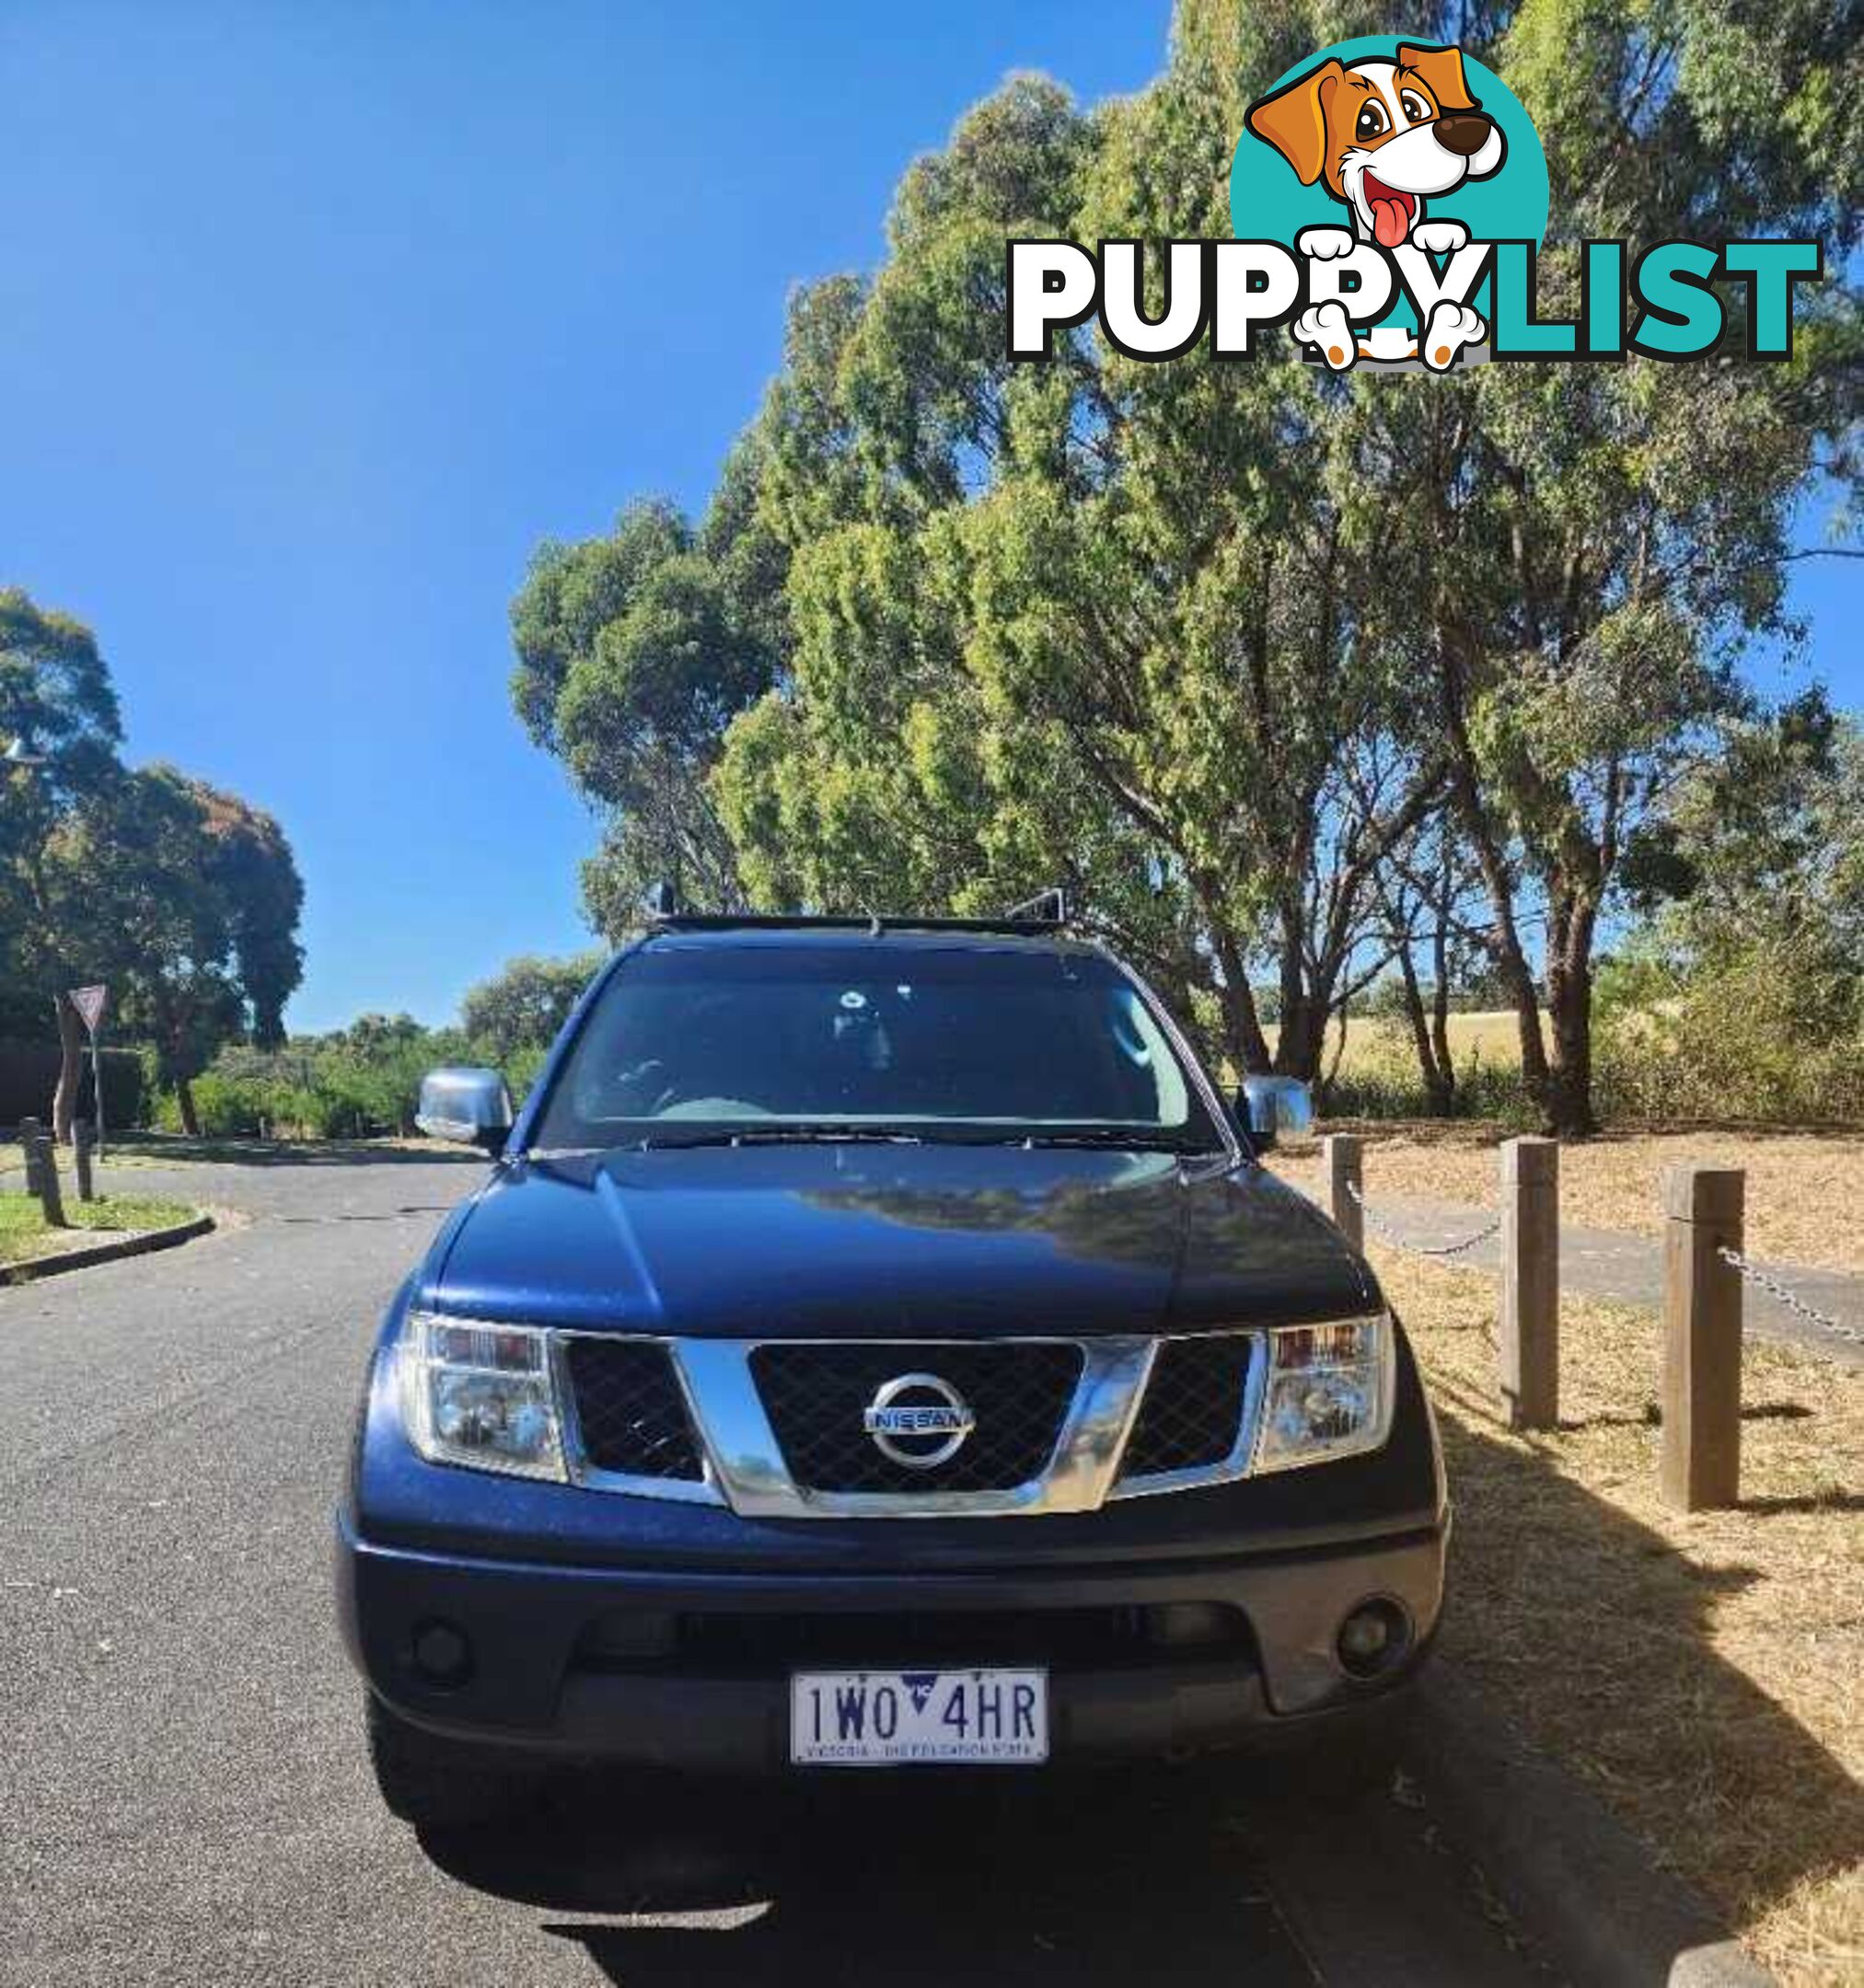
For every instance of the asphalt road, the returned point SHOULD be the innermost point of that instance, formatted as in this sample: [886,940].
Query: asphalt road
[183,1792]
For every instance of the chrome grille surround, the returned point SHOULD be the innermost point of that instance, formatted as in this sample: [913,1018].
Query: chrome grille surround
[735,1430]
[743,1466]
[1238,1459]
[700,1490]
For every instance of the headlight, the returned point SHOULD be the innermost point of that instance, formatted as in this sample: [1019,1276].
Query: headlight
[483,1395]
[1329,1391]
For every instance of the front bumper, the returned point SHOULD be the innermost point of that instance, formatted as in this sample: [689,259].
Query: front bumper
[554,1663]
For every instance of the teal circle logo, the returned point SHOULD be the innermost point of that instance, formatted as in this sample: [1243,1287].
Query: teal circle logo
[1270,201]
[1401,145]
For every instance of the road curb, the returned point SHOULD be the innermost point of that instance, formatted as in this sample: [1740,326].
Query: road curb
[1579,1880]
[103,1253]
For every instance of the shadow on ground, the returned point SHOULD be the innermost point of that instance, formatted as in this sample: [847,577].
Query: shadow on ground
[1651,1417]
[1586,1628]
[1597,1639]
[1131,1879]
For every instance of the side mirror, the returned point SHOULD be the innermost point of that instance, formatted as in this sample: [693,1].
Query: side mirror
[1272,1106]
[468,1106]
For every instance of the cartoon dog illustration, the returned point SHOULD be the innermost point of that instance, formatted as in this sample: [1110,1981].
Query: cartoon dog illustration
[1383,137]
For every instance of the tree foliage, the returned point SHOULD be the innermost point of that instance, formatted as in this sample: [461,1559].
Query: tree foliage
[1226,646]
[57,700]
[183,897]
[1743,993]
[1591,547]
[525,1004]
[193,899]
[634,652]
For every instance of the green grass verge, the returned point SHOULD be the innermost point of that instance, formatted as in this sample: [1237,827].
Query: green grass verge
[24,1233]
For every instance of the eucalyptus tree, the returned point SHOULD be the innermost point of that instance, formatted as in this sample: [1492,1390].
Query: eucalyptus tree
[195,897]
[184,897]
[1092,620]
[58,704]
[1578,555]
[634,650]
[525,1002]
[1755,899]
[1134,626]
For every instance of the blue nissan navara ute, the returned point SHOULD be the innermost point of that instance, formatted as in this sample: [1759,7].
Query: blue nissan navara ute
[877,1344]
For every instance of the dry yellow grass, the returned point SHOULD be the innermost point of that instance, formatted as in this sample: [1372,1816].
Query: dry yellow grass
[1805,1190]
[1491,1035]
[1702,1673]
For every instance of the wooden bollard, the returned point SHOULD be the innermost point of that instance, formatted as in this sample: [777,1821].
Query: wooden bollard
[1341,1160]
[83,1145]
[42,1170]
[1528,1351]
[1703,1208]
[51,1199]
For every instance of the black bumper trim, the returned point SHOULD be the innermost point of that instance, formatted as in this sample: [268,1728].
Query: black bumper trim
[525,1685]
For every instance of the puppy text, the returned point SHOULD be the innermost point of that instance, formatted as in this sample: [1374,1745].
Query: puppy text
[1672,301]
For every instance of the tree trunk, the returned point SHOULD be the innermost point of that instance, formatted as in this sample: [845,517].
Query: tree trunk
[1439,1084]
[1569,1100]
[1569,1089]
[1300,1036]
[1504,939]
[1510,961]
[1301,1039]
[70,1067]
[1440,1010]
[184,1102]
[1242,1033]
[1323,1087]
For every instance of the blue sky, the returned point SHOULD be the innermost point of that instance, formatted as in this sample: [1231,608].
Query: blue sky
[314,319]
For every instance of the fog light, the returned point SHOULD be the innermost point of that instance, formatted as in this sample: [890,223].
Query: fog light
[1372,1637]
[442,1654]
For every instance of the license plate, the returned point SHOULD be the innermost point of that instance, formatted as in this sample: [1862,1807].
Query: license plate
[903,1718]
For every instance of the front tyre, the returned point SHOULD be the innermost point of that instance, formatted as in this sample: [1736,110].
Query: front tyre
[446,1785]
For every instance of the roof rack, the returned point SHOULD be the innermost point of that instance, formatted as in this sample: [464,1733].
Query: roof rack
[1046,912]
[1046,907]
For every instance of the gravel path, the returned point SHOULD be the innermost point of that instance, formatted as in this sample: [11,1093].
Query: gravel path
[1609,1263]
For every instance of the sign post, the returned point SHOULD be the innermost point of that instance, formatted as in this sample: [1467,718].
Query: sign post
[89,1003]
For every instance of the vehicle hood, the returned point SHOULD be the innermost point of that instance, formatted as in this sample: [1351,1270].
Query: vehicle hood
[891,1240]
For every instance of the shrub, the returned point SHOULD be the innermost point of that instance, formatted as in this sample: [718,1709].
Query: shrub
[1486,1091]
[1759,1039]
[352,1085]
[522,1068]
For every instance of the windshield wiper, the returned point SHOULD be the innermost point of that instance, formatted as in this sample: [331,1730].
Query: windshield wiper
[1111,1139]
[1114,1139]
[797,1135]
[1120,1141]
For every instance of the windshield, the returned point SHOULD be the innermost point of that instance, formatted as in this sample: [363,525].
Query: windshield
[762,1040]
